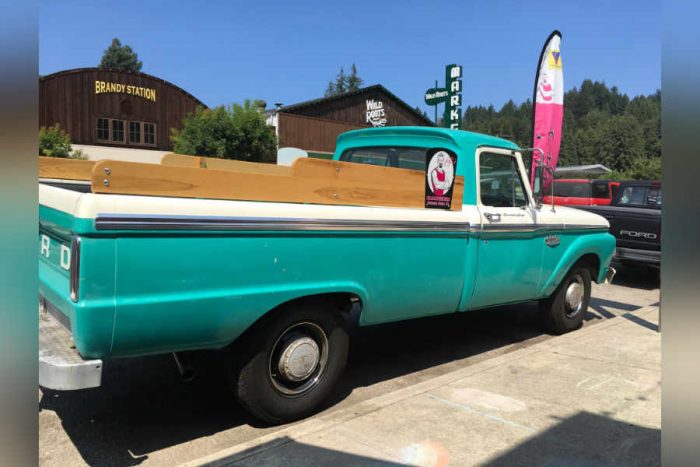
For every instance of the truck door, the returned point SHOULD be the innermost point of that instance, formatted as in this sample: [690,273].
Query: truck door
[509,254]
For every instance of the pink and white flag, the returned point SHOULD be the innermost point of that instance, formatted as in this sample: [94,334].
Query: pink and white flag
[548,109]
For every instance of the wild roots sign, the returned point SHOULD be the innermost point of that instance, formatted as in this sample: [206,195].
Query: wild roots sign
[451,95]
[375,112]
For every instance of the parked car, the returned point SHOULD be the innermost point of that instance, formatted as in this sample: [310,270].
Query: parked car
[582,192]
[635,221]
[143,259]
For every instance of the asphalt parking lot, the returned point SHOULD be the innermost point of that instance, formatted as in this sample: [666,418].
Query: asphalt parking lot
[144,413]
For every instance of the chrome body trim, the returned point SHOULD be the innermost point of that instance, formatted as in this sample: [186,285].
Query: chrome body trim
[158,222]
[169,222]
[539,227]
[75,268]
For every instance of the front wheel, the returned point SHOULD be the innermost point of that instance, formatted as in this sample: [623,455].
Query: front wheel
[563,311]
[290,363]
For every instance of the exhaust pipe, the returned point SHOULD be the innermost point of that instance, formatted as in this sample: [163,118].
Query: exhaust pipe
[184,366]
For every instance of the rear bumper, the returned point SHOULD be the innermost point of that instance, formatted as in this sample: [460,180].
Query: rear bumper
[60,365]
[638,256]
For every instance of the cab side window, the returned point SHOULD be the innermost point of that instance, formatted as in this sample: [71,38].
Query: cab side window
[500,182]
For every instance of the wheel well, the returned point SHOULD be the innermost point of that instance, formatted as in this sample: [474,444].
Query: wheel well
[592,262]
[347,305]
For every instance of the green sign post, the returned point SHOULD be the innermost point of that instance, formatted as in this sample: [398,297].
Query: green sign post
[451,95]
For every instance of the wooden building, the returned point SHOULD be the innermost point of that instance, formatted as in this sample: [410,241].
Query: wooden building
[314,125]
[114,108]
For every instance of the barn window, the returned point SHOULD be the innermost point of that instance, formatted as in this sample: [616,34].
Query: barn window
[149,133]
[135,132]
[118,130]
[102,129]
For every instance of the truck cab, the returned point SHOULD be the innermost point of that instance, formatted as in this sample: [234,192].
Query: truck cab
[513,227]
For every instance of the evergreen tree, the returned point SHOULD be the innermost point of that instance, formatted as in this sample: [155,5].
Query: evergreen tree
[353,82]
[120,57]
[341,82]
[344,83]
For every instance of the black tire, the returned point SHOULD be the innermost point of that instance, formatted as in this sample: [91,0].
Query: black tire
[557,314]
[254,382]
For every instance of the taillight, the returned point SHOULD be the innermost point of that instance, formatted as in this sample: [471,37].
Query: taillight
[74,268]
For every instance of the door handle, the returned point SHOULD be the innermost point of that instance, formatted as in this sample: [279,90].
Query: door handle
[493,217]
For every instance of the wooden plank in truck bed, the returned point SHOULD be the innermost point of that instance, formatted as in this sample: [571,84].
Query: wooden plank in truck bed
[65,169]
[309,181]
[180,160]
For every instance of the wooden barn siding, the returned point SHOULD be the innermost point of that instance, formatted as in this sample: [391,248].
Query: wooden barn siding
[308,133]
[353,110]
[70,100]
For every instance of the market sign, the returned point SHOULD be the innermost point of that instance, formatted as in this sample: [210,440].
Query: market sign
[451,95]
[102,87]
[453,107]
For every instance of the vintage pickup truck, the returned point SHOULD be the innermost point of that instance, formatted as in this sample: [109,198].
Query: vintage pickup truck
[137,259]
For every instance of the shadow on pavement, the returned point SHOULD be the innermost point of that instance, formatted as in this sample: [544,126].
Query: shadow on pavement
[286,451]
[641,322]
[143,406]
[587,439]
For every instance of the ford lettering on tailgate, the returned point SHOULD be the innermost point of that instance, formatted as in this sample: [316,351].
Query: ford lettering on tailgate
[55,251]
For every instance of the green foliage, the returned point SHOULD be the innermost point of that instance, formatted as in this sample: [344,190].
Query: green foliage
[601,126]
[344,83]
[79,154]
[121,58]
[54,142]
[643,168]
[233,132]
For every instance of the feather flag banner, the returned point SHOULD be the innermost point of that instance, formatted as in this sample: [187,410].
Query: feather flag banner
[548,110]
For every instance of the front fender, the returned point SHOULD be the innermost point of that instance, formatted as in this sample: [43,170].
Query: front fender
[601,244]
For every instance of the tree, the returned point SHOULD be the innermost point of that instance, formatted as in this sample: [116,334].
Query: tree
[121,58]
[353,82]
[54,142]
[344,83]
[233,132]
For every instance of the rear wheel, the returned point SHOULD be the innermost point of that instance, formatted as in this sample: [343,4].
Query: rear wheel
[290,363]
[564,310]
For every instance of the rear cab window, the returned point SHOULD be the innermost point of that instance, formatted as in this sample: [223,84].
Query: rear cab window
[402,157]
[640,196]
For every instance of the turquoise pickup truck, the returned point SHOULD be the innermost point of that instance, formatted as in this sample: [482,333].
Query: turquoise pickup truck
[278,286]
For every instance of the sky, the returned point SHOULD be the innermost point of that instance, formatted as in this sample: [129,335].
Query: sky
[283,51]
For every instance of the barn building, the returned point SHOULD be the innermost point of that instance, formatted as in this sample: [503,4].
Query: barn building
[114,108]
[314,125]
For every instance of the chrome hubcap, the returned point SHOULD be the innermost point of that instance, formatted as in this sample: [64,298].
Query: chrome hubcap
[574,296]
[298,359]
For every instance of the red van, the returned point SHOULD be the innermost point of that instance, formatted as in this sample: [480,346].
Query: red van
[582,192]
